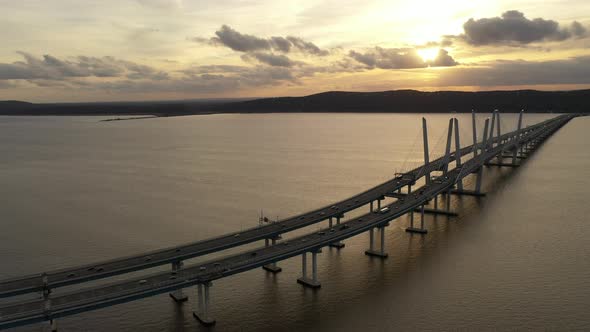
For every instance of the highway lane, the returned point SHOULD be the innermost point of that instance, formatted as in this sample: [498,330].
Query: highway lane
[119,292]
[98,270]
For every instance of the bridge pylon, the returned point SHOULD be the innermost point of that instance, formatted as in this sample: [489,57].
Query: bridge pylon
[479,173]
[426,150]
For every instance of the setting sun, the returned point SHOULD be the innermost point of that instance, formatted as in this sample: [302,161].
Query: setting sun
[428,54]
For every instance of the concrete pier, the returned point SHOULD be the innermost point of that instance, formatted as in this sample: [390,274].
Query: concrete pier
[272,267]
[467,193]
[413,229]
[437,211]
[312,282]
[201,312]
[371,251]
[339,244]
[178,296]
[501,164]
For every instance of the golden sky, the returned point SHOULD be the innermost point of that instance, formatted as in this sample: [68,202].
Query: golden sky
[72,50]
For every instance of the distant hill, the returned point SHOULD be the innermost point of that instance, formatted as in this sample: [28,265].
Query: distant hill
[14,104]
[407,101]
[398,101]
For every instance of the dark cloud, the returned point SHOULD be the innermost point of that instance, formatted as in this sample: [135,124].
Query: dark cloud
[578,29]
[277,60]
[51,68]
[306,47]
[280,44]
[226,36]
[502,72]
[443,59]
[239,42]
[206,79]
[513,28]
[400,58]
[446,41]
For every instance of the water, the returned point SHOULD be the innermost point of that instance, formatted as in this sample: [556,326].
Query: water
[75,190]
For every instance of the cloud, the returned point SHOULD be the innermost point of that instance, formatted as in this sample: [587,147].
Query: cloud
[51,68]
[269,59]
[204,80]
[228,37]
[445,41]
[400,58]
[513,28]
[443,59]
[280,44]
[239,42]
[519,72]
[162,4]
[306,47]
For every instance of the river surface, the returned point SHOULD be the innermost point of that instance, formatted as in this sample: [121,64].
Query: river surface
[75,190]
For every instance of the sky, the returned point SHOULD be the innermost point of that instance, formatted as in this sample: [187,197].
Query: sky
[107,50]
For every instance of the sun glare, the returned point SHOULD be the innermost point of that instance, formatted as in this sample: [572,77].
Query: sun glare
[428,54]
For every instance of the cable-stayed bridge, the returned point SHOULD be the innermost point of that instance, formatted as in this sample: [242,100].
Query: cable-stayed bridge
[411,192]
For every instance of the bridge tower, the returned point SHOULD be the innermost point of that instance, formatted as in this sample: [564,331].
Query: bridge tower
[500,157]
[517,137]
[426,151]
[448,148]
[476,151]
[457,153]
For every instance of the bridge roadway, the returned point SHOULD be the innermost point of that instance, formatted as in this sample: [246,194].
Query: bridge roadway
[73,302]
[98,270]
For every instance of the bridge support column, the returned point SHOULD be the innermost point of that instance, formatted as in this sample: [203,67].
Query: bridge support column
[201,313]
[413,229]
[477,191]
[304,279]
[514,157]
[47,302]
[330,222]
[272,267]
[378,204]
[435,210]
[178,296]
[371,251]
[448,201]
[338,244]
[371,207]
